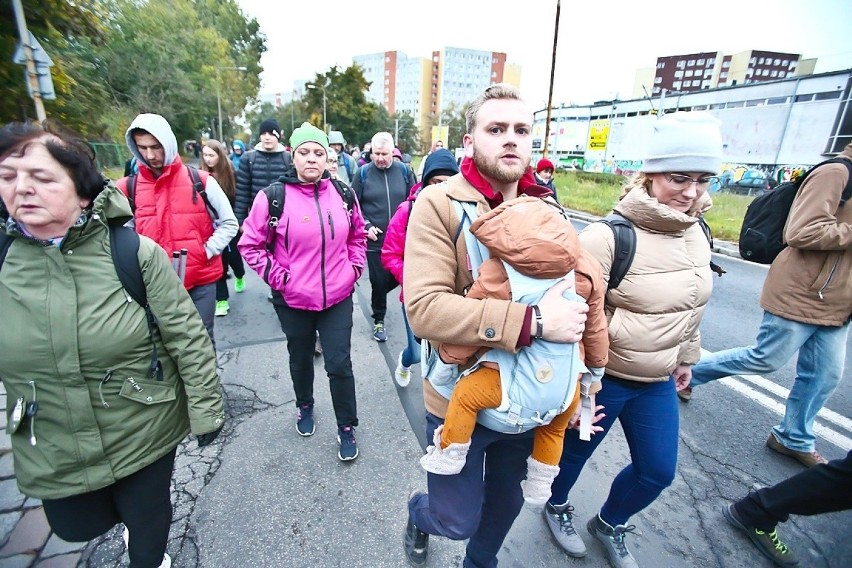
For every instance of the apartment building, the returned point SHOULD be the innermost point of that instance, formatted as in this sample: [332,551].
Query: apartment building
[426,87]
[707,70]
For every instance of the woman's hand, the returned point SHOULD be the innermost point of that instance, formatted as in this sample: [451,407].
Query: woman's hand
[598,416]
[682,375]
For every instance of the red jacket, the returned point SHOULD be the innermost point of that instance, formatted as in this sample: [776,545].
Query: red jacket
[168,213]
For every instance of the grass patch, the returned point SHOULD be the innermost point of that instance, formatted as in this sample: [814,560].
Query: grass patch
[598,193]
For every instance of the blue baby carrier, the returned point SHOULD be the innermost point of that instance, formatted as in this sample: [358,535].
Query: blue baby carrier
[538,382]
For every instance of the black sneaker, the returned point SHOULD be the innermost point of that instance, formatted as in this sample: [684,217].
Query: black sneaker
[348,448]
[305,420]
[768,543]
[414,541]
[379,333]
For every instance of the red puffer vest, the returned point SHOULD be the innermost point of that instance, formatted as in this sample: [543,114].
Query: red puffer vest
[168,213]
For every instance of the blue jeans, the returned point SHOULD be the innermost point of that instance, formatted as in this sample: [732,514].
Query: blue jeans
[470,504]
[648,413]
[411,353]
[822,354]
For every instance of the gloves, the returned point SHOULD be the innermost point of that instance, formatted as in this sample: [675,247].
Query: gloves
[206,439]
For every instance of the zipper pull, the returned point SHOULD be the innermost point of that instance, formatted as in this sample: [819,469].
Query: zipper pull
[819,292]
[107,377]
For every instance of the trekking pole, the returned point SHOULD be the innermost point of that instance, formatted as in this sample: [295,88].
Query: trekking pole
[182,273]
[176,261]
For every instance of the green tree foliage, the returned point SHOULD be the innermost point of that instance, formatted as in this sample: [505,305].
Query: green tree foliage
[59,26]
[117,58]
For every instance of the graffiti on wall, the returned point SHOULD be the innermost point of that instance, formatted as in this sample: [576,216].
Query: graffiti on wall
[730,173]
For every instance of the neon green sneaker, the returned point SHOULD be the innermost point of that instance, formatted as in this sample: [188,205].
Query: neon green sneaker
[222,308]
[239,285]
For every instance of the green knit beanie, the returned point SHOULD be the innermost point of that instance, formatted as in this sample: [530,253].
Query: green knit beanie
[308,133]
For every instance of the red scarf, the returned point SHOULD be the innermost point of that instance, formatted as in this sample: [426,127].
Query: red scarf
[526,185]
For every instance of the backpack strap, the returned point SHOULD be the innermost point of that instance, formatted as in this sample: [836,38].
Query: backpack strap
[130,186]
[124,248]
[477,253]
[198,188]
[275,196]
[625,247]
[5,243]
[702,222]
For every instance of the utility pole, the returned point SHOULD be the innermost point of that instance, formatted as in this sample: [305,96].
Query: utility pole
[552,72]
[32,74]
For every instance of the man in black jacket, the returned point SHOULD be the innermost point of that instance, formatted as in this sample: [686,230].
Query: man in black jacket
[381,185]
[260,167]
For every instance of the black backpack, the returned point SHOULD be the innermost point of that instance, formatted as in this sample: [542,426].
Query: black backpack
[625,246]
[276,196]
[197,189]
[762,233]
[124,247]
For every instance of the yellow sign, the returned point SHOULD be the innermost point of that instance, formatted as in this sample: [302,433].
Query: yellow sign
[441,133]
[598,134]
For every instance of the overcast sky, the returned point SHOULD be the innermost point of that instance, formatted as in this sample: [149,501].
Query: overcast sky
[600,45]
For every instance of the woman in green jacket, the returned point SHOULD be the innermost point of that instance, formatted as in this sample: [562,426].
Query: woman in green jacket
[94,428]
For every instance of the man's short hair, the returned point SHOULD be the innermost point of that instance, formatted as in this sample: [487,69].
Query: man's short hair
[382,140]
[497,91]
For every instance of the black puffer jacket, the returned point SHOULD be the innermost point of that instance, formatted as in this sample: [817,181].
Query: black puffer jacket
[258,169]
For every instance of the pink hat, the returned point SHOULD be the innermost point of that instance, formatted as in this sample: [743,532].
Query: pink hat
[397,153]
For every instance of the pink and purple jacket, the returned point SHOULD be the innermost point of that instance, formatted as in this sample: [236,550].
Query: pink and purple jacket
[393,249]
[319,250]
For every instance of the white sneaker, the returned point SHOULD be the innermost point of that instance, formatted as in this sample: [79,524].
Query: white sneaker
[402,374]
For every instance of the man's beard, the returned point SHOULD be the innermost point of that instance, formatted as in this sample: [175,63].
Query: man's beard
[497,171]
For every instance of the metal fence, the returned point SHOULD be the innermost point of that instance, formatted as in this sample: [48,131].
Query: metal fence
[110,155]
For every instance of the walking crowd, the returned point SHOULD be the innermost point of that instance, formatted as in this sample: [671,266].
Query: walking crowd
[533,340]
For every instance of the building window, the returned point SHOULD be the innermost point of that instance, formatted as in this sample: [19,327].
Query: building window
[656,90]
[827,96]
[723,75]
[760,61]
[777,62]
[776,101]
[755,102]
[658,80]
[681,64]
[726,64]
[679,74]
[774,74]
[711,62]
[691,62]
[785,63]
[676,85]
[701,61]
[689,72]
[804,98]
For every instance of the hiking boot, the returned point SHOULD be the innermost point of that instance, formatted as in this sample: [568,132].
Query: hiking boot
[685,395]
[222,308]
[613,540]
[560,520]
[379,333]
[402,374]
[809,459]
[348,448]
[240,285]
[317,347]
[414,541]
[768,543]
[305,420]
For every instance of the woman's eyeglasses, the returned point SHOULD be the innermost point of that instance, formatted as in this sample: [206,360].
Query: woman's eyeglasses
[332,161]
[681,182]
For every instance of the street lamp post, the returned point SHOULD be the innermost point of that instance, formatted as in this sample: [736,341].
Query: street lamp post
[314,86]
[219,95]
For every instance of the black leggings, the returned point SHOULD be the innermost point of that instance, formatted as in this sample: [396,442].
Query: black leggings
[230,257]
[141,501]
[381,282]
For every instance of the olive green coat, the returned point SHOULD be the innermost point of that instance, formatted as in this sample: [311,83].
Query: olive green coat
[67,323]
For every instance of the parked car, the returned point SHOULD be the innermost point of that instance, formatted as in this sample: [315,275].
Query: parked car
[751,186]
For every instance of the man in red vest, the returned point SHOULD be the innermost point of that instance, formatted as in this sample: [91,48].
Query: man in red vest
[168,209]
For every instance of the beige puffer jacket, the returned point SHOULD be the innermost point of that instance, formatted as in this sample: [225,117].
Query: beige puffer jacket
[655,312]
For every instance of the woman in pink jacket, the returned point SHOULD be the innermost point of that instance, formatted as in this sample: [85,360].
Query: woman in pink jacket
[438,167]
[311,260]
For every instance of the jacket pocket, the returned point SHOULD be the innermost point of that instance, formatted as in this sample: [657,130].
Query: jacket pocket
[828,273]
[148,392]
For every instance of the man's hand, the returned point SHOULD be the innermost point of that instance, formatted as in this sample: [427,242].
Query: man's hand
[682,375]
[563,321]
[373,233]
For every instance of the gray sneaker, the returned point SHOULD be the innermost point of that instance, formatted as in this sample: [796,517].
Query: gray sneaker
[613,540]
[560,520]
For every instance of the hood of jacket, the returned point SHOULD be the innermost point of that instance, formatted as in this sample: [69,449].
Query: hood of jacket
[439,160]
[239,144]
[159,128]
[526,185]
